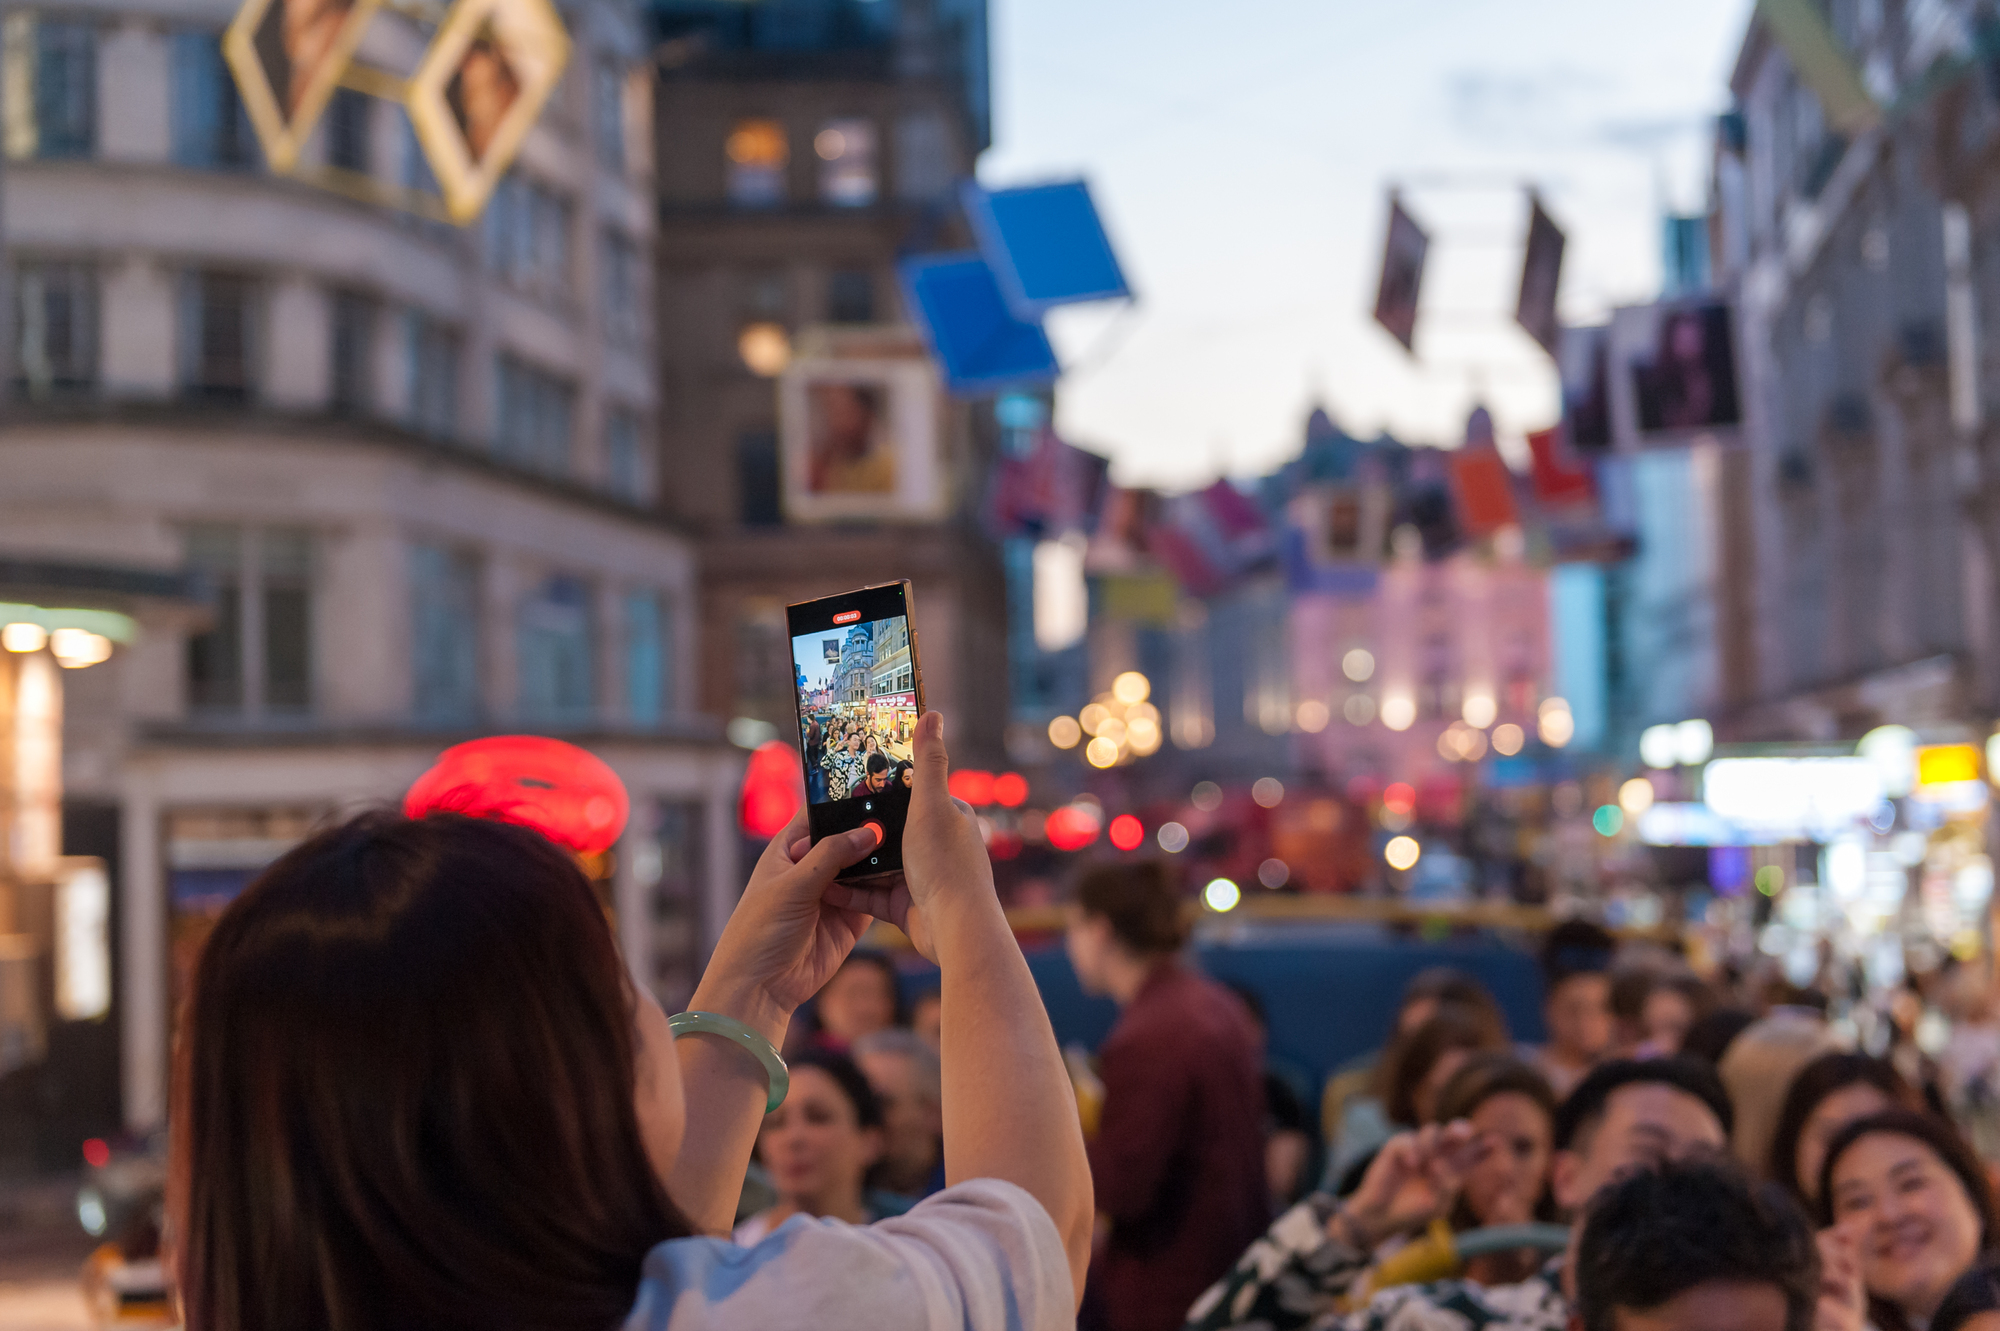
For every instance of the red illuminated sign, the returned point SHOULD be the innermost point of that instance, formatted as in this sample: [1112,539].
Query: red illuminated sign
[847,617]
[566,793]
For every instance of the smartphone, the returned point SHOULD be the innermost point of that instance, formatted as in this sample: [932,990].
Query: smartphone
[859,687]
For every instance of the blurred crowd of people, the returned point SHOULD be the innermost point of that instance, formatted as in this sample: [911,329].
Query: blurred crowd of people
[1676,1142]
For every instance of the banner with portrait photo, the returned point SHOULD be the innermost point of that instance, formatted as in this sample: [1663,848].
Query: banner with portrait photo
[287,57]
[1673,374]
[1404,246]
[480,88]
[861,438]
[1541,275]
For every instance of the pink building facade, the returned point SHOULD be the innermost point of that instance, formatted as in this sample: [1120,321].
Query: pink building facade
[1461,644]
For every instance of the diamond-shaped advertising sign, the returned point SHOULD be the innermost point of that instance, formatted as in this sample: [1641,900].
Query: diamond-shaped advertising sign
[478,91]
[287,56]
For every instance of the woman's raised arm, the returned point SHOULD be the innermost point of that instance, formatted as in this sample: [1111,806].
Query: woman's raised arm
[1009,1112]
[783,942]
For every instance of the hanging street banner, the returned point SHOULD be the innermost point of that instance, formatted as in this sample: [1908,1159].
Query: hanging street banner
[287,57]
[1541,273]
[478,91]
[1403,251]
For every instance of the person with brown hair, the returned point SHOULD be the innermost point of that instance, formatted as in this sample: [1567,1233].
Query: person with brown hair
[1422,1060]
[1178,1159]
[415,1086]
[1912,1201]
[1829,1093]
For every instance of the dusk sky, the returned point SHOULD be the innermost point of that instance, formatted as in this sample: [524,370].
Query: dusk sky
[1240,152]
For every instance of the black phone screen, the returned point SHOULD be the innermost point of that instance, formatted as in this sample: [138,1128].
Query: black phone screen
[860,691]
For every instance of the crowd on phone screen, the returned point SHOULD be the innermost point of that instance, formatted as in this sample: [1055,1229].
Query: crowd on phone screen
[415,1086]
[846,758]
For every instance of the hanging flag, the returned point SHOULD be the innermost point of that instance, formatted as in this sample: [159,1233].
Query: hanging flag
[1186,557]
[1541,273]
[1052,490]
[1482,491]
[1118,543]
[1816,56]
[1561,478]
[1403,252]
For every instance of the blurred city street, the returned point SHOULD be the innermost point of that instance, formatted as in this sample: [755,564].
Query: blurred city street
[1410,484]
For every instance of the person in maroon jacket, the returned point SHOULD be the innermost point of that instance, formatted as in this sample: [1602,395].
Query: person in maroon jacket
[1178,1160]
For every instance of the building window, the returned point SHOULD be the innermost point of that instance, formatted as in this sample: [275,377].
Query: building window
[557,671]
[255,658]
[347,131]
[527,237]
[607,112]
[217,336]
[758,156]
[765,296]
[417,173]
[431,354]
[757,479]
[624,283]
[646,658]
[215,656]
[52,87]
[55,328]
[210,127]
[532,417]
[444,638]
[625,471]
[668,860]
[353,350]
[847,175]
[850,296]
[285,589]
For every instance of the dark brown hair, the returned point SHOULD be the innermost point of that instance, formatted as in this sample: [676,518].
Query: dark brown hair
[1816,1081]
[1950,1148]
[1487,1074]
[1410,1058]
[1490,1073]
[1449,984]
[404,1093]
[1140,901]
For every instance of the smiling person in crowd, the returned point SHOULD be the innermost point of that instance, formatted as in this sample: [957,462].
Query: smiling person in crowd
[819,1146]
[1626,1115]
[1914,1201]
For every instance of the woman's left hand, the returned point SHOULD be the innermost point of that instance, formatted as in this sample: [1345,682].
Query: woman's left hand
[783,941]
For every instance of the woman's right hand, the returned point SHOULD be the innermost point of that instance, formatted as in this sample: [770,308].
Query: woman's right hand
[945,866]
[787,935]
[1413,1179]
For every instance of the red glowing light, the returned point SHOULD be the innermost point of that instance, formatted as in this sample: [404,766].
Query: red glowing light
[1004,845]
[1010,790]
[1127,832]
[847,617]
[973,786]
[567,794]
[774,786]
[1399,797]
[1070,828]
[97,1153]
